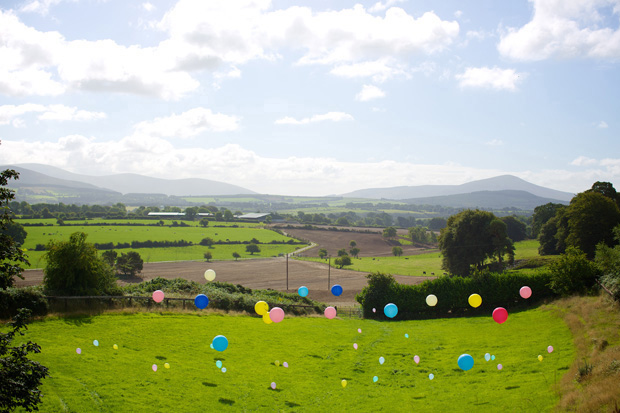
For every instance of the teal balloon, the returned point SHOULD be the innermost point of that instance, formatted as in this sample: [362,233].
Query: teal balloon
[302,291]
[218,364]
[390,310]
[431,376]
[374,379]
[465,362]
[487,357]
[220,343]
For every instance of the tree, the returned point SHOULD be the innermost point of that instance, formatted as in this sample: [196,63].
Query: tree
[204,222]
[207,242]
[20,377]
[573,273]
[208,256]
[236,255]
[354,251]
[607,189]
[352,243]
[437,223]
[15,231]
[542,214]
[517,231]
[228,216]
[342,252]
[322,253]
[342,261]
[74,268]
[190,213]
[129,264]
[470,238]
[252,248]
[109,257]
[389,232]
[343,221]
[11,255]
[397,251]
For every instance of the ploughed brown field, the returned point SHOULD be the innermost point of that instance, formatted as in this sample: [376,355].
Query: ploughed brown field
[272,272]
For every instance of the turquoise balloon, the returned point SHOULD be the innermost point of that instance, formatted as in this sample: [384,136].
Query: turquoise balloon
[374,379]
[390,310]
[465,362]
[220,343]
[218,364]
[302,291]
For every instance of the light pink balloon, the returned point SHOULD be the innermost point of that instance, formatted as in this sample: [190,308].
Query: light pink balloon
[276,314]
[416,358]
[355,346]
[154,367]
[550,349]
[359,330]
[158,296]
[273,385]
[499,367]
[330,312]
[525,292]
[78,350]
[285,364]
[374,310]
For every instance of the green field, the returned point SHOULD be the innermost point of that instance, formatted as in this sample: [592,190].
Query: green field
[319,353]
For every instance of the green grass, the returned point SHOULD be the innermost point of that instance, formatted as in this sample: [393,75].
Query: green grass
[319,353]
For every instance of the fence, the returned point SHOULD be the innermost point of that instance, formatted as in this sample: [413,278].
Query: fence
[350,312]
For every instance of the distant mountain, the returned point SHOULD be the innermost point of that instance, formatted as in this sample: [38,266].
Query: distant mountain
[498,183]
[139,184]
[487,199]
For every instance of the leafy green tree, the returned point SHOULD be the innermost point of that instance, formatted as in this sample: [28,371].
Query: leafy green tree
[252,248]
[11,255]
[342,261]
[542,214]
[322,253]
[437,223]
[15,231]
[228,215]
[397,251]
[208,256]
[109,257]
[190,213]
[20,377]
[129,264]
[389,232]
[607,189]
[74,268]
[204,222]
[342,252]
[516,230]
[607,259]
[354,251]
[207,242]
[572,273]
[352,243]
[470,238]
[343,221]
[236,255]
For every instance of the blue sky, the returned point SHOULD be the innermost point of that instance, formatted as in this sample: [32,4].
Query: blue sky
[315,97]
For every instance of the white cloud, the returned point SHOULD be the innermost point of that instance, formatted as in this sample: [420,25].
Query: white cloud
[329,116]
[187,124]
[583,161]
[379,6]
[379,70]
[369,92]
[495,78]
[10,113]
[39,6]
[148,6]
[603,125]
[565,29]
[458,14]
[495,142]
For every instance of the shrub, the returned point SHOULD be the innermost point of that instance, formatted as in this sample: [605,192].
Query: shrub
[12,299]
[572,273]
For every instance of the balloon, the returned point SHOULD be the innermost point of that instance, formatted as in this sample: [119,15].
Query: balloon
[499,367]
[374,310]
[285,364]
[431,376]
[261,308]
[266,318]
[273,385]
[381,360]
[406,335]
[201,301]
[431,300]
[355,346]
[493,357]
[158,296]
[525,292]
[540,357]
[115,347]
[500,315]
[302,291]
[211,345]
[359,330]
[465,362]
[416,358]
[344,383]
[330,312]
[475,300]
[95,343]
[375,379]
[487,357]
[210,275]
[166,365]
[549,349]
[277,363]
[223,369]
[154,367]
[337,290]
[218,364]
[276,314]
[78,350]
[390,310]
[220,343]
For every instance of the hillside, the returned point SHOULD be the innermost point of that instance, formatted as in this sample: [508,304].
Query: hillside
[487,199]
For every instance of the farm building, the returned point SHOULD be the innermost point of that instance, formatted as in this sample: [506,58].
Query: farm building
[167,214]
[254,216]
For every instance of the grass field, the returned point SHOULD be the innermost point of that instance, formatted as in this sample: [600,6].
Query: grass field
[319,353]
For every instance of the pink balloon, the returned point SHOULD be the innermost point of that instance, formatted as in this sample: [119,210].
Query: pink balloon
[374,310]
[416,358]
[285,364]
[276,314]
[525,292]
[154,367]
[330,312]
[273,385]
[500,315]
[499,367]
[158,296]
[549,349]
[359,330]
[355,346]
[78,350]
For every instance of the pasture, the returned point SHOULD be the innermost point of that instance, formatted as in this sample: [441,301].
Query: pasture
[319,353]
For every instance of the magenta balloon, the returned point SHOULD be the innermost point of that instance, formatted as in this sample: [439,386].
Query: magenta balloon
[158,296]
[549,349]
[276,314]
[525,292]
[330,312]
[500,315]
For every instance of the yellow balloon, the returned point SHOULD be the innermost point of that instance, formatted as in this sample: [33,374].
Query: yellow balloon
[539,357]
[277,363]
[210,275]
[166,365]
[115,347]
[267,319]
[475,300]
[261,308]
[344,383]
[431,300]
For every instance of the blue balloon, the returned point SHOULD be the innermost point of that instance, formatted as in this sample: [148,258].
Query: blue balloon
[302,291]
[201,301]
[220,343]
[337,290]
[390,310]
[465,362]
[218,364]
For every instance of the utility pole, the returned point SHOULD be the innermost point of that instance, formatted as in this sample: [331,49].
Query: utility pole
[286,272]
[329,268]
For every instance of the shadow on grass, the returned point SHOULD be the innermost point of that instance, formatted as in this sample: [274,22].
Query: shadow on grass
[292,404]
[204,383]
[226,401]
[78,320]
[160,357]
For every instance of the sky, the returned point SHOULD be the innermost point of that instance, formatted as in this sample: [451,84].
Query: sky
[315,97]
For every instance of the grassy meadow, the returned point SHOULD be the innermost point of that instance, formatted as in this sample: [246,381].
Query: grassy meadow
[320,354]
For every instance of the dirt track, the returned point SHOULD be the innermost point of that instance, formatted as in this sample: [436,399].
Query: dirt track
[259,273]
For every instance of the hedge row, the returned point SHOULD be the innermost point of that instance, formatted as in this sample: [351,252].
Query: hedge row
[11,299]
[496,290]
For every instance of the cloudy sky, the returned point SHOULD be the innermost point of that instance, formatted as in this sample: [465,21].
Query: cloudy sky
[315,97]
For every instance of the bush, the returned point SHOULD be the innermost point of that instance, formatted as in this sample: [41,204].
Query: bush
[572,273]
[12,299]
